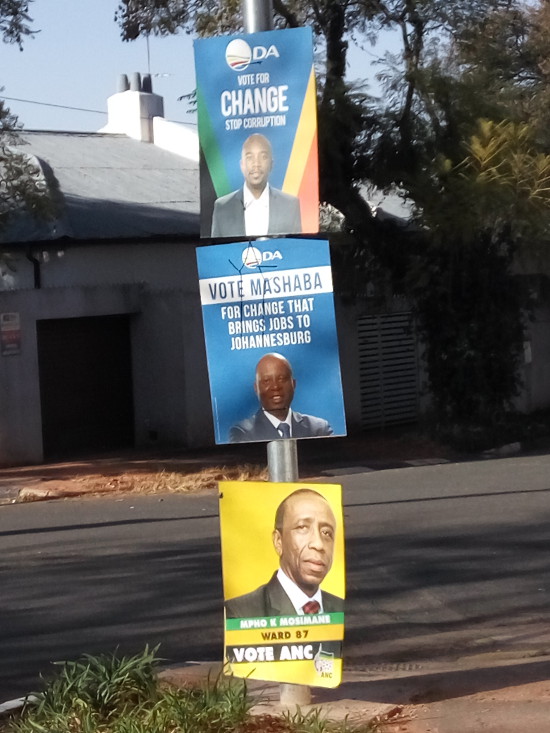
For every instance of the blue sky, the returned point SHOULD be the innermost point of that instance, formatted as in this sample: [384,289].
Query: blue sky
[75,61]
[77,57]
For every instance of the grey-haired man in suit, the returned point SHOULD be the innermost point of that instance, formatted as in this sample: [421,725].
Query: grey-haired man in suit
[257,209]
[303,538]
[274,386]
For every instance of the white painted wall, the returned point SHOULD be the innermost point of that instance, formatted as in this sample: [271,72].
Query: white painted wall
[131,113]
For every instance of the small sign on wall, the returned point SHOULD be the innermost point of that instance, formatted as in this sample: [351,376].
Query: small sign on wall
[10,334]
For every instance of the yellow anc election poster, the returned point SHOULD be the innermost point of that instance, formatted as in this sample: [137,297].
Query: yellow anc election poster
[284,581]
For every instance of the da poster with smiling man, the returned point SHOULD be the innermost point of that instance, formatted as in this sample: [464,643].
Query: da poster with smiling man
[271,631]
[271,342]
[257,122]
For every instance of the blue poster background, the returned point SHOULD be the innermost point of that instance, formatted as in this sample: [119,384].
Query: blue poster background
[290,68]
[293,276]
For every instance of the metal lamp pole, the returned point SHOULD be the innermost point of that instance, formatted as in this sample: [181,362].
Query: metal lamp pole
[257,15]
[282,465]
[282,455]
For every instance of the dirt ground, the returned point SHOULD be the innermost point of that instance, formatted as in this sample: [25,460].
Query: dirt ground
[140,472]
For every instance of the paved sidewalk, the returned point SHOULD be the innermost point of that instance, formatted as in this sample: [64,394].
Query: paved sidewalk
[490,696]
[493,696]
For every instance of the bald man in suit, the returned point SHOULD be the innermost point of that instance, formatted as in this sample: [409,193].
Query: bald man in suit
[274,385]
[303,538]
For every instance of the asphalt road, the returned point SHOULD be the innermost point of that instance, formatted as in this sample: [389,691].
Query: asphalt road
[444,562]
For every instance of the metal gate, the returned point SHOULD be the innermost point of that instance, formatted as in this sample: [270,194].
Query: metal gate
[388,370]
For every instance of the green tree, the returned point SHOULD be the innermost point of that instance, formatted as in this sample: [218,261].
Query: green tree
[505,55]
[461,130]
[474,165]
[481,214]
[15,21]
[22,185]
[359,138]
[481,199]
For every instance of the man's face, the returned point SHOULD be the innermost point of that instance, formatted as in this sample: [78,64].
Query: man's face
[305,543]
[256,163]
[274,385]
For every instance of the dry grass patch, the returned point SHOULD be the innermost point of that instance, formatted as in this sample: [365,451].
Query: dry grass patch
[162,482]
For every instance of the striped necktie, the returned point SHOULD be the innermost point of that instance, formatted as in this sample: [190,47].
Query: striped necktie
[312,607]
[284,430]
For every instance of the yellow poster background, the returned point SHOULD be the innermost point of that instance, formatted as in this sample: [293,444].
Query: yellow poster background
[260,648]
[247,517]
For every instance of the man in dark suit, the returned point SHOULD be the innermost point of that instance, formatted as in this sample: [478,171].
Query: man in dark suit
[303,538]
[274,386]
[256,209]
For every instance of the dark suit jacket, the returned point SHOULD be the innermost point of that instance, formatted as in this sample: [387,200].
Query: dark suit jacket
[258,427]
[284,214]
[271,600]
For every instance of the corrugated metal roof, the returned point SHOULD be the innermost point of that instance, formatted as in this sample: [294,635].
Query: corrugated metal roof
[112,187]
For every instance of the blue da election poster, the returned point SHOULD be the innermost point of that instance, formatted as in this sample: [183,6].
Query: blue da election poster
[271,341]
[257,122]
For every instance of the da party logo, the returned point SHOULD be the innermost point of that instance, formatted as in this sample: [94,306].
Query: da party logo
[239,55]
[252,257]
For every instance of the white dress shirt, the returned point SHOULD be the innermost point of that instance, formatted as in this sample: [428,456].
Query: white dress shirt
[276,422]
[297,596]
[256,212]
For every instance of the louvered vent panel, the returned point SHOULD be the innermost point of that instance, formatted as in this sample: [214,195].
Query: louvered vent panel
[388,370]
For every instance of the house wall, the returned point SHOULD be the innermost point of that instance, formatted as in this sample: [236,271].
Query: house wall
[161,266]
[172,401]
[157,286]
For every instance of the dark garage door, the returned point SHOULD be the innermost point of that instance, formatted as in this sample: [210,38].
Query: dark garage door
[85,385]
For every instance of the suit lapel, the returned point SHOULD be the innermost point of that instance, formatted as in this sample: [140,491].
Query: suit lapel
[272,206]
[298,428]
[240,212]
[278,602]
[265,428]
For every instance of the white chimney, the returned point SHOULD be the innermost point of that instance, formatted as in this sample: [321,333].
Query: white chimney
[132,109]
